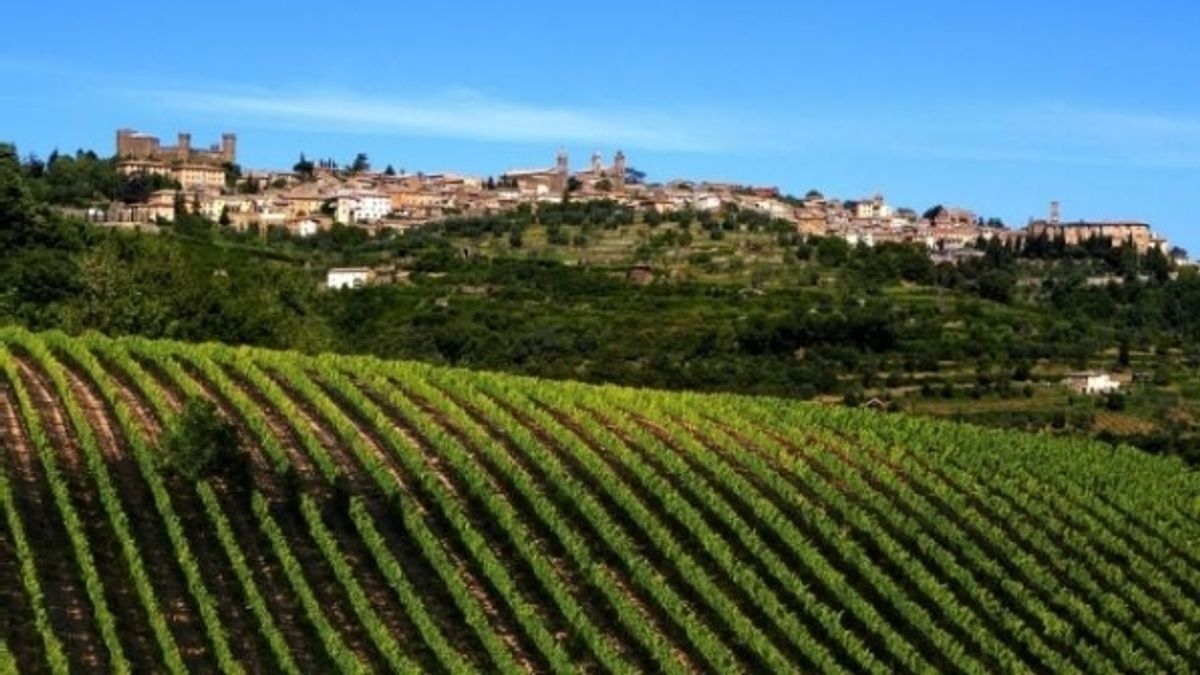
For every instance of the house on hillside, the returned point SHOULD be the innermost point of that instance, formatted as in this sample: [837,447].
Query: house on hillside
[640,275]
[347,277]
[1089,382]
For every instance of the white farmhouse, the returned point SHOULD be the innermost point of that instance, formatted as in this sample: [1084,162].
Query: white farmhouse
[347,277]
[1089,382]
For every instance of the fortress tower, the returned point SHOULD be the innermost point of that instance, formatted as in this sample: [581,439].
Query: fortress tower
[183,147]
[139,153]
[229,147]
[562,170]
[618,168]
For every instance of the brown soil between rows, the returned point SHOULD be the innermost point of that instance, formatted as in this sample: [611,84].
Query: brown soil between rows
[597,606]
[18,631]
[285,510]
[155,547]
[686,652]
[245,640]
[336,517]
[121,596]
[500,617]
[302,640]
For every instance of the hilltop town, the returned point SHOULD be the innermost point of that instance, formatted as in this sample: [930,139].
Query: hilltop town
[594,273]
[313,196]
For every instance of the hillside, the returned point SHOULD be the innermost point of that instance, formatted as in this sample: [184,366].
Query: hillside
[392,516]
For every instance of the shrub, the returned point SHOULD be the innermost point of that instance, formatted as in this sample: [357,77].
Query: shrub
[199,442]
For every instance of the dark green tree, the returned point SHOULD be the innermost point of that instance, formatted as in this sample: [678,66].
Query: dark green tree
[304,168]
[199,442]
[233,173]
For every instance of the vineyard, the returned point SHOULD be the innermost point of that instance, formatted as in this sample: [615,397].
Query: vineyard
[397,517]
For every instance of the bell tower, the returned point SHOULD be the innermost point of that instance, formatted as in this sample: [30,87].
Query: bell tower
[562,170]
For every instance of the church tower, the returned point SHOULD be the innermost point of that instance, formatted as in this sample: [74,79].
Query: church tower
[562,171]
[619,170]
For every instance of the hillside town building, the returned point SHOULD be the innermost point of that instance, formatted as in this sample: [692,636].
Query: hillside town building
[376,201]
[191,167]
[1091,383]
[347,277]
[1076,232]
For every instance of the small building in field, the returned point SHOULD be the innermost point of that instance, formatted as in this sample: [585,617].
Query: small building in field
[1089,382]
[304,228]
[640,275]
[347,277]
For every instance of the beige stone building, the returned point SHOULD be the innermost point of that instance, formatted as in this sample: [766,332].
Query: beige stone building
[1076,232]
[1118,231]
[193,168]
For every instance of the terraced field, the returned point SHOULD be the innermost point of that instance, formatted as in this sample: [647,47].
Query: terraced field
[400,517]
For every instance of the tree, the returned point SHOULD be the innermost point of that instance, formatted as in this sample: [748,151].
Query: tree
[305,168]
[996,285]
[138,187]
[233,173]
[604,185]
[34,167]
[389,171]
[360,164]
[16,202]
[199,442]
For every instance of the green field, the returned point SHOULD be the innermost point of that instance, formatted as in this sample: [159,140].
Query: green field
[396,517]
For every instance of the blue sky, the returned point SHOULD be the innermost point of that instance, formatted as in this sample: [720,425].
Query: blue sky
[1000,108]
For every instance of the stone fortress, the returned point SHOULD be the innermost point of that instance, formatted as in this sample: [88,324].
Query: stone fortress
[193,168]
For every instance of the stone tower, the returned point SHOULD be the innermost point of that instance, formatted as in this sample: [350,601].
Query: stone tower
[183,147]
[123,142]
[597,164]
[619,170]
[562,171]
[229,147]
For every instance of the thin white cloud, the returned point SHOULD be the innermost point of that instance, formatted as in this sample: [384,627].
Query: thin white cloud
[464,114]
[1037,133]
